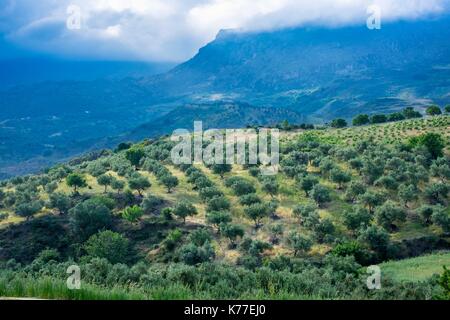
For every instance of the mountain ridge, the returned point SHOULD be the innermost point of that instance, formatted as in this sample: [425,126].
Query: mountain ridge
[315,74]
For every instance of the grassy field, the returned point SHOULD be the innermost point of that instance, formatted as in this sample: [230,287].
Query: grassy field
[416,269]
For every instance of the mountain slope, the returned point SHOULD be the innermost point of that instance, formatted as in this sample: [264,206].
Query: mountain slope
[314,74]
[321,72]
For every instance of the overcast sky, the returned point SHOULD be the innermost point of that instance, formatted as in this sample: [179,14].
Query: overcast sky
[173,30]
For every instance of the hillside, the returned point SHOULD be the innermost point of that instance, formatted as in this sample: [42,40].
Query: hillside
[321,72]
[147,229]
[310,73]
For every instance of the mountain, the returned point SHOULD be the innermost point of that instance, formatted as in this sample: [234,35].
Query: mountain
[322,73]
[310,73]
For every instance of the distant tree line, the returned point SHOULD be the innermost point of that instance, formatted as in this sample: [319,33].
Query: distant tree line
[407,113]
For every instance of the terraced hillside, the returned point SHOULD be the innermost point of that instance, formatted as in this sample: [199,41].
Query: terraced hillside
[343,199]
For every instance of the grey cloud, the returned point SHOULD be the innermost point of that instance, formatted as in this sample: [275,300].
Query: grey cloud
[173,30]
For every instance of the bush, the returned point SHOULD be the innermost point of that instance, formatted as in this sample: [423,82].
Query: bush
[376,238]
[410,113]
[200,236]
[172,239]
[433,111]
[436,192]
[28,210]
[89,217]
[221,169]
[339,123]
[132,214]
[4,216]
[360,120]
[441,218]
[425,212]
[151,203]
[108,245]
[444,279]
[352,248]
[434,143]
[48,255]
[378,118]
[60,201]
[192,254]
[389,214]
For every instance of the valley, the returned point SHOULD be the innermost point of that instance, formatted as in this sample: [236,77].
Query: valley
[309,75]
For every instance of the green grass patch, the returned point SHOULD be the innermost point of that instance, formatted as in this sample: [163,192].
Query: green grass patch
[416,269]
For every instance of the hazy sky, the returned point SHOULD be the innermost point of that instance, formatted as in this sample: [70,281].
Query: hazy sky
[173,30]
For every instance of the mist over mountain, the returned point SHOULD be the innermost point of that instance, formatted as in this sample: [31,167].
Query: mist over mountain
[311,74]
[321,72]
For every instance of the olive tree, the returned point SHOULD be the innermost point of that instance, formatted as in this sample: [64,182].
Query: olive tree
[60,201]
[139,183]
[184,209]
[105,180]
[299,243]
[218,219]
[357,218]
[340,177]
[407,193]
[320,194]
[232,232]
[257,212]
[88,217]
[75,181]
[307,183]
[389,214]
